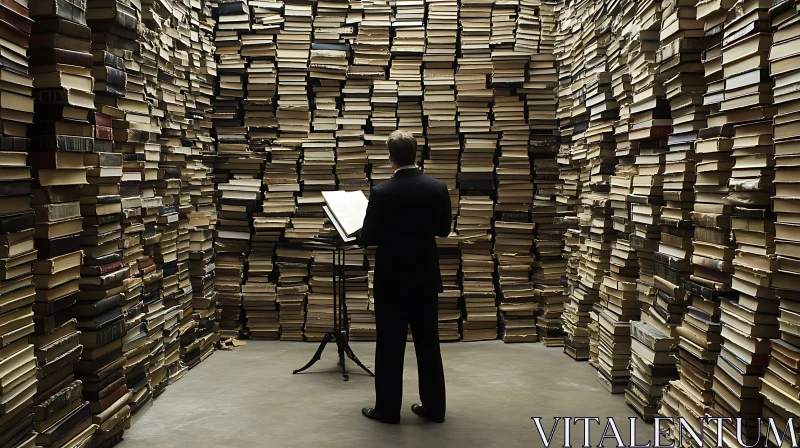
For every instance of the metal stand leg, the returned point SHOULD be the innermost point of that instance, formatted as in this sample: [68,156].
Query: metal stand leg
[318,355]
[339,333]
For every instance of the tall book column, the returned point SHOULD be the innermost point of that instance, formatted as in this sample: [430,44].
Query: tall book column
[441,155]
[476,170]
[17,251]
[650,116]
[57,151]
[105,278]
[197,326]
[537,20]
[578,312]
[749,316]
[679,55]
[513,248]
[778,384]
[621,304]
[141,155]
[237,171]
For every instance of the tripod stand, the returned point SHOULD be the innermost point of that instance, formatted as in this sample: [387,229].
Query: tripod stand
[340,332]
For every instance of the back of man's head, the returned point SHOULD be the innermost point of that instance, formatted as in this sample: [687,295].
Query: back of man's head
[402,147]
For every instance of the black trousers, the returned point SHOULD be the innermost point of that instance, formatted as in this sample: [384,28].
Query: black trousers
[392,318]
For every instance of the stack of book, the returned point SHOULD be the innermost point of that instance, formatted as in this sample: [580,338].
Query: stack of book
[56,279]
[161,307]
[260,304]
[514,231]
[103,291]
[18,357]
[106,270]
[18,361]
[576,319]
[239,199]
[572,157]
[202,213]
[319,309]
[550,264]
[173,250]
[528,34]
[383,119]
[164,252]
[620,306]
[137,344]
[230,268]
[371,47]
[450,299]
[577,312]
[779,382]
[292,263]
[679,58]
[551,299]
[712,254]
[650,123]
[652,367]
[512,250]
[748,314]
[477,266]
[360,313]
[258,293]
[514,179]
[476,164]
[367,330]
[450,315]
[597,237]
[690,163]
[698,346]
[58,170]
[621,186]
[351,154]
[317,167]
[438,102]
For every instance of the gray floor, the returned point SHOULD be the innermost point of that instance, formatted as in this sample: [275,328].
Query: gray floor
[248,397]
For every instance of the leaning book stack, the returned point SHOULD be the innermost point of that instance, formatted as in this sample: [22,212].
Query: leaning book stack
[748,314]
[18,360]
[64,100]
[779,384]
[477,267]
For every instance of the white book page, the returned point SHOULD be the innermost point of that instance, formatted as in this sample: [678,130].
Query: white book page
[349,208]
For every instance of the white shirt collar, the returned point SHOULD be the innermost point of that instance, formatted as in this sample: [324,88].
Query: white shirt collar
[405,167]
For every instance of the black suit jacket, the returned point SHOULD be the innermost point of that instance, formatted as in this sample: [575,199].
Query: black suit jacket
[405,215]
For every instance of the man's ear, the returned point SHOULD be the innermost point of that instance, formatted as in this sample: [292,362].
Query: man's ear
[390,159]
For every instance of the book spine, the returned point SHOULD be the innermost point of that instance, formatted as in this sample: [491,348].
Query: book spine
[65,425]
[60,400]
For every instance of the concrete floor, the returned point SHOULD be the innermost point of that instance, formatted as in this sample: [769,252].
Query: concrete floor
[249,398]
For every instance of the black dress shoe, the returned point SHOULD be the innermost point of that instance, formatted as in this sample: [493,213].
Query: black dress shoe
[420,410]
[372,414]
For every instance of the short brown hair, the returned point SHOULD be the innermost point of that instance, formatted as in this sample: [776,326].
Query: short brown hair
[402,147]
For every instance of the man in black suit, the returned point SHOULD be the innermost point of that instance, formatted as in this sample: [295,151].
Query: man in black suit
[405,215]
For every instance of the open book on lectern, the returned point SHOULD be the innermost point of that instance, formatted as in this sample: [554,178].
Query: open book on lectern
[346,209]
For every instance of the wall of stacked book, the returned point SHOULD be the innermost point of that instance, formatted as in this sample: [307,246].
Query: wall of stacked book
[107,267]
[679,126]
[307,94]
